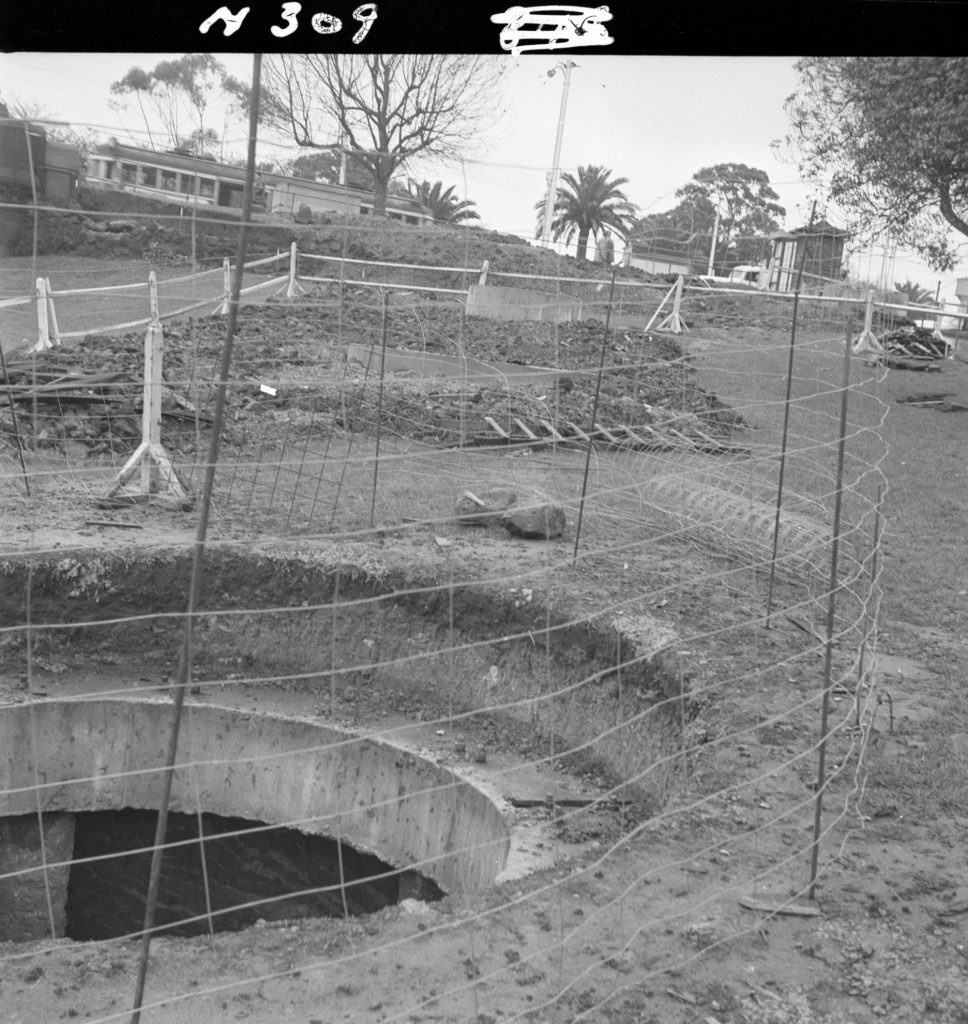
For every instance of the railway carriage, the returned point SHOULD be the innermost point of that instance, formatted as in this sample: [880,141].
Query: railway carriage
[179,176]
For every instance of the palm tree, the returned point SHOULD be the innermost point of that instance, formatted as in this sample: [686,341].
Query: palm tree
[917,294]
[442,203]
[590,203]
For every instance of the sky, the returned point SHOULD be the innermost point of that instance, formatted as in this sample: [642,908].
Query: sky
[653,120]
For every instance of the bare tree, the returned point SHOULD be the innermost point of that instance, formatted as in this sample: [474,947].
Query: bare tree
[383,109]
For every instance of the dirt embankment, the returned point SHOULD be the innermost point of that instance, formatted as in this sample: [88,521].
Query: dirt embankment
[118,225]
[89,397]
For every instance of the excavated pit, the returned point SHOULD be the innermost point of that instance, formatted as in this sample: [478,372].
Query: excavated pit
[297,656]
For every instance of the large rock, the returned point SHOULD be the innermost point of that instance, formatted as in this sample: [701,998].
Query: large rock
[484,509]
[535,522]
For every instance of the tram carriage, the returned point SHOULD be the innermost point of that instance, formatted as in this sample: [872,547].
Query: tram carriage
[179,176]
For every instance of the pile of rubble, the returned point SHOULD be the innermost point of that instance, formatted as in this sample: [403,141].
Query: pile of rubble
[59,403]
[910,347]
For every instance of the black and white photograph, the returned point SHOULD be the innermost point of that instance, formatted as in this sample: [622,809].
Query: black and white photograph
[483,514]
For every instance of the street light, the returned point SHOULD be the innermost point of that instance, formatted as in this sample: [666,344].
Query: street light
[566,67]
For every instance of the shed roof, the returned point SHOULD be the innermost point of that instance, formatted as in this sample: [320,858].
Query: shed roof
[820,228]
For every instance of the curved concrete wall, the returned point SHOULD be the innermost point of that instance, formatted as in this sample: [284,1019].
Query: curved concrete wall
[105,754]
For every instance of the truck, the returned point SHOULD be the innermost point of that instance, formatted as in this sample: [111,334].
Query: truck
[746,275]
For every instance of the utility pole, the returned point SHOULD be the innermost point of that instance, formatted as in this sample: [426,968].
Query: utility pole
[566,67]
[712,244]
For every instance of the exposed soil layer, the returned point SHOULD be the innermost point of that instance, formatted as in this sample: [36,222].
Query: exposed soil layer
[516,668]
[87,399]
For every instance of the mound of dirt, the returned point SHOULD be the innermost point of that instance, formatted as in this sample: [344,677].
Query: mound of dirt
[293,357]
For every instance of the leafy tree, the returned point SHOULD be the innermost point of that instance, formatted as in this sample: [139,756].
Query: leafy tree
[385,108]
[747,208]
[682,234]
[324,165]
[178,93]
[885,137]
[588,203]
[321,166]
[443,203]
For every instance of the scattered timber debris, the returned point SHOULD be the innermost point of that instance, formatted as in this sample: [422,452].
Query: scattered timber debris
[913,348]
[939,400]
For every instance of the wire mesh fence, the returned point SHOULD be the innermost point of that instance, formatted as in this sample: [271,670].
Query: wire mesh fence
[518,685]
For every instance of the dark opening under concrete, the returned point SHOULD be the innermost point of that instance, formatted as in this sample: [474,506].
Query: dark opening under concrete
[265,873]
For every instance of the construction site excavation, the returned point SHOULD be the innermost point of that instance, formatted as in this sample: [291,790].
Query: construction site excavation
[529,665]
[353,720]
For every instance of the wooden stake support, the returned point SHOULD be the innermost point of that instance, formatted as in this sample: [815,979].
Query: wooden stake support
[665,299]
[547,424]
[51,314]
[867,343]
[43,324]
[226,286]
[526,430]
[608,435]
[497,428]
[157,471]
[673,323]
[293,286]
[576,430]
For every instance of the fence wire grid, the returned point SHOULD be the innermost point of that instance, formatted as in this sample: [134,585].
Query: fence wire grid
[533,663]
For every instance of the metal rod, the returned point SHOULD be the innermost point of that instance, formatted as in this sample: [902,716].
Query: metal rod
[591,430]
[302,463]
[342,871]
[33,274]
[16,422]
[379,404]
[876,546]
[184,664]
[349,447]
[201,853]
[332,648]
[786,419]
[831,610]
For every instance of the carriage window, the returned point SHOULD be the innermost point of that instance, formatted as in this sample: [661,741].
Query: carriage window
[108,169]
[187,184]
[129,174]
[149,177]
[206,188]
[169,180]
